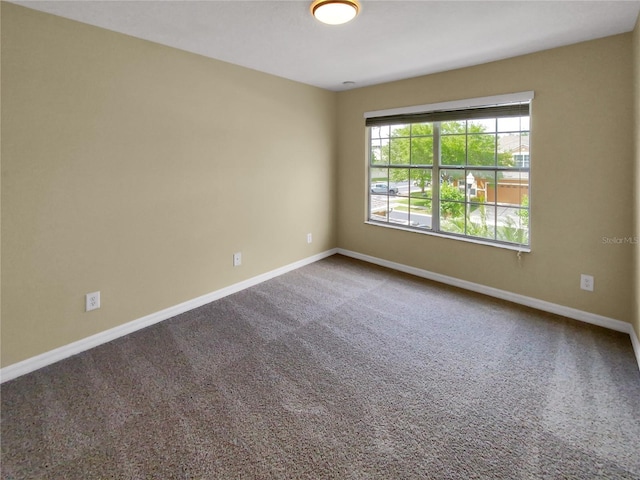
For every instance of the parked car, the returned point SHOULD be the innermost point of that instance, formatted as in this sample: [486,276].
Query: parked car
[383,188]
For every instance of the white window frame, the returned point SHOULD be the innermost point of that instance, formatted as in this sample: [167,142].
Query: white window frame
[465,104]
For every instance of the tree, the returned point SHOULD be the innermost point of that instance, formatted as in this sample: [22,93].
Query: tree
[465,143]
[451,201]
[461,143]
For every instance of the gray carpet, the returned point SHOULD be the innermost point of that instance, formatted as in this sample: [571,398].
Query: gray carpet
[338,370]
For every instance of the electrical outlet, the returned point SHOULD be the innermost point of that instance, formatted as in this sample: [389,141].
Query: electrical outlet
[586,282]
[92,301]
[237,259]
[309,238]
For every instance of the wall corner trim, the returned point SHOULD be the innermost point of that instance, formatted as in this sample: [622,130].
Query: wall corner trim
[636,344]
[549,307]
[39,361]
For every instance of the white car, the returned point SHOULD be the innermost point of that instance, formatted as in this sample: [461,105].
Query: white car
[383,188]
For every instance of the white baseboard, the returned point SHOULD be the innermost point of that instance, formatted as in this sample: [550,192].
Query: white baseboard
[34,363]
[573,313]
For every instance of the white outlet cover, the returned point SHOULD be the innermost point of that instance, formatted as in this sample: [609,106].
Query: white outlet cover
[237,259]
[586,282]
[92,301]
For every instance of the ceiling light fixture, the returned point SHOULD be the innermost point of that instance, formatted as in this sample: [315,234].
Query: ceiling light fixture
[335,12]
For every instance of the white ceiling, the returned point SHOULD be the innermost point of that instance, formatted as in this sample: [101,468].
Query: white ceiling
[389,40]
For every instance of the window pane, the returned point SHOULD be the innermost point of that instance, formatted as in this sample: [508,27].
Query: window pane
[453,127]
[512,217]
[513,187]
[477,185]
[399,185]
[421,180]
[411,206]
[512,224]
[420,210]
[421,206]
[421,129]
[452,223]
[453,149]
[487,125]
[400,151]
[379,195]
[513,207]
[422,151]
[488,188]
[379,175]
[481,212]
[379,152]
[400,130]
[513,124]
[380,132]
[481,221]
[452,181]
[513,150]
[379,205]
[452,201]
[482,149]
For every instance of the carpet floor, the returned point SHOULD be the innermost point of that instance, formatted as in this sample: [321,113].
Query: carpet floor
[337,370]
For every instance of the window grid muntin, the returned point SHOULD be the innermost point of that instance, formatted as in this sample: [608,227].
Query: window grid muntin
[466,203]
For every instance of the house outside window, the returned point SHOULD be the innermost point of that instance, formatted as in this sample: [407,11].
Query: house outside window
[461,172]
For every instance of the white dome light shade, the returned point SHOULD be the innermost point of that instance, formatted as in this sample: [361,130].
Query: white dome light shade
[335,12]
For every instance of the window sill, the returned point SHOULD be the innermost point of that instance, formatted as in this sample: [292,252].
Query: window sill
[477,241]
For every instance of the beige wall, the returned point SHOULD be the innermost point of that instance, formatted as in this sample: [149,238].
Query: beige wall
[131,168]
[636,250]
[581,186]
[137,170]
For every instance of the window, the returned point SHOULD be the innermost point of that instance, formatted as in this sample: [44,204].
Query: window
[521,160]
[461,172]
